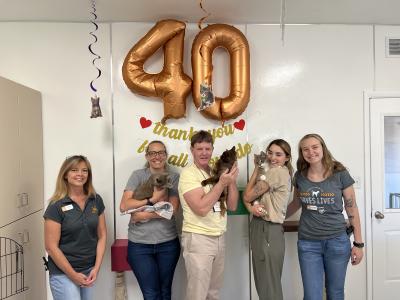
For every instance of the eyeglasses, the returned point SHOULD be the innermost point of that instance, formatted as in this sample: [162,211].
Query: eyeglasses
[155,153]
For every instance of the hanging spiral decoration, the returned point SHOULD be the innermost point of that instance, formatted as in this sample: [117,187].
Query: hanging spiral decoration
[96,111]
[200,22]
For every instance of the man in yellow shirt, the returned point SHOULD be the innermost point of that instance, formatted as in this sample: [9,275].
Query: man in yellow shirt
[203,238]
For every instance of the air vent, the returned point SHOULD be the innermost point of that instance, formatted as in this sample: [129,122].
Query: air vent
[392,47]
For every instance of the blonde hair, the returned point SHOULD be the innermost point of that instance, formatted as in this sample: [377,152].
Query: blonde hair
[330,164]
[61,190]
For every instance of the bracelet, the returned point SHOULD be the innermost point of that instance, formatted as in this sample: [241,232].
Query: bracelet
[358,245]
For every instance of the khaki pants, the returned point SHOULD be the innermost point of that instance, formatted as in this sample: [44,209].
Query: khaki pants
[204,257]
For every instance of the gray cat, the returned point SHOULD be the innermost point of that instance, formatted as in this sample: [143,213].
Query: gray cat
[206,96]
[260,161]
[145,190]
[96,110]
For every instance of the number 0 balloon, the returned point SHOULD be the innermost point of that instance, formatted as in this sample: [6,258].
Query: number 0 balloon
[233,40]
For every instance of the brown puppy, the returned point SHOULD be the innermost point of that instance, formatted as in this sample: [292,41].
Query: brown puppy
[225,162]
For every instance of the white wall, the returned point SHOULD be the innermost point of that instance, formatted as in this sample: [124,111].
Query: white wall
[387,69]
[129,136]
[53,58]
[312,84]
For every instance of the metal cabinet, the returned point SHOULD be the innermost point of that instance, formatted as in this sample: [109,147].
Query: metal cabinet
[21,151]
[21,193]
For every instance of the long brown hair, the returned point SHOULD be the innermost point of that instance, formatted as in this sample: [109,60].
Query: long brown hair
[62,184]
[288,151]
[330,164]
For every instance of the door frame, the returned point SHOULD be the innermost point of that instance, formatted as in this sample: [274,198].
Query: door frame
[368,95]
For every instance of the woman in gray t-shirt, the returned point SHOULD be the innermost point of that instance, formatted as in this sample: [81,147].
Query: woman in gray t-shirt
[153,245]
[321,184]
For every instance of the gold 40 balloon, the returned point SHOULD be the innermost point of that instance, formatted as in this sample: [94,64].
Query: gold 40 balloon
[172,85]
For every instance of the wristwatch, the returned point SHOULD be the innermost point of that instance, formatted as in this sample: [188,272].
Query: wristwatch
[358,245]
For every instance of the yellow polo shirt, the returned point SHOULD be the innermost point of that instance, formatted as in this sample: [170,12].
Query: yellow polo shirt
[213,223]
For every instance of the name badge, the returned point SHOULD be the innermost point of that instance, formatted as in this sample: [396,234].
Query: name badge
[67,207]
[217,206]
[312,207]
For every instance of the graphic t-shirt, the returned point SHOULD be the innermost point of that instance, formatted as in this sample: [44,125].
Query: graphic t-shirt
[322,205]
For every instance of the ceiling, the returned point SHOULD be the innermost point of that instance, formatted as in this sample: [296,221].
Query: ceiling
[222,11]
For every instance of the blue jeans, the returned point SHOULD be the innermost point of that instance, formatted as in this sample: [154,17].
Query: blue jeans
[63,288]
[324,257]
[154,267]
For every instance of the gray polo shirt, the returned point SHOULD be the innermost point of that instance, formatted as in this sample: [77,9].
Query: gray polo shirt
[157,230]
[78,240]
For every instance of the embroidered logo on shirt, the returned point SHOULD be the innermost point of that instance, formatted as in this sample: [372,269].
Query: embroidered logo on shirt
[95,210]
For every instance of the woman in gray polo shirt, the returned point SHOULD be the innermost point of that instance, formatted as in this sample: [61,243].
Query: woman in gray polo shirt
[153,246]
[74,232]
[323,187]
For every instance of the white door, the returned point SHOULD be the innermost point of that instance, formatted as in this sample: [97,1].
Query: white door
[385,191]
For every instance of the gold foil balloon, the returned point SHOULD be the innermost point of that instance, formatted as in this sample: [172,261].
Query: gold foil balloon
[233,40]
[172,85]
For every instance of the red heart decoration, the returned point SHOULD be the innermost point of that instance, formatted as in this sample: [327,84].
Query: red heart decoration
[239,124]
[144,122]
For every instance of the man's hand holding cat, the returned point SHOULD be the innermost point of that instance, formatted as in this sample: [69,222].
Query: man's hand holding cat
[230,177]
